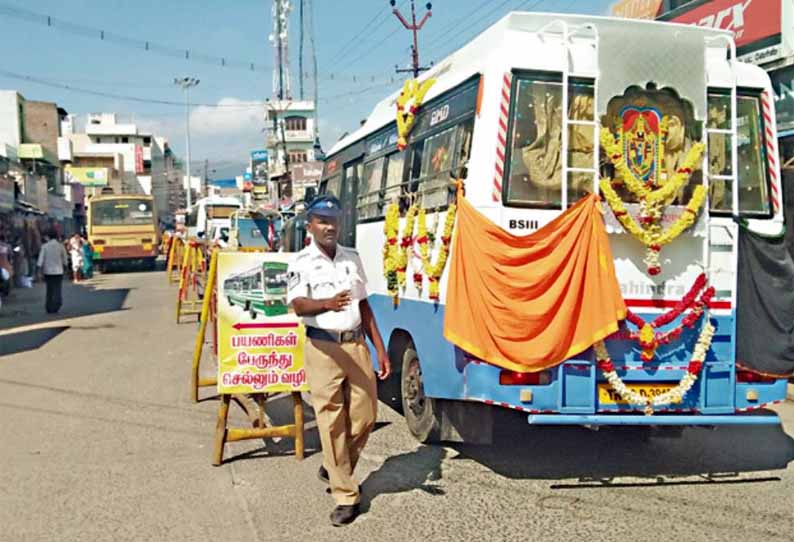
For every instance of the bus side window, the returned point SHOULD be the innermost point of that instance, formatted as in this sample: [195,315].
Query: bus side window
[395,165]
[753,181]
[369,198]
[463,148]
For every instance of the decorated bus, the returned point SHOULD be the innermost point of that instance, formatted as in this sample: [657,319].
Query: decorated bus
[550,221]
[261,290]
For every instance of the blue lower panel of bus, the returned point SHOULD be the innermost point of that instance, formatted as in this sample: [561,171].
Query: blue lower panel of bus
[657,419]
[576,392]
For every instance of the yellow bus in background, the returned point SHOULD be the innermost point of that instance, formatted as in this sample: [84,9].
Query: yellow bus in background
[123,229]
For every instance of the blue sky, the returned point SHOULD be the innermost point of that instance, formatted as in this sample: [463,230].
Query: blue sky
[236,29]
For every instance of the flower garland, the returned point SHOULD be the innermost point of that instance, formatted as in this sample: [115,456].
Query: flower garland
[652,200]
[412,90]
[653,237]
[435,270]
[390,254]
[650,340]
[427,237]
[406,243]
[674,395]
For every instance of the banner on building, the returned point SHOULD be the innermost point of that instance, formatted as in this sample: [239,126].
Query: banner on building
[138,159]
[86,176]
[758,25]
[6,194]
[260,340]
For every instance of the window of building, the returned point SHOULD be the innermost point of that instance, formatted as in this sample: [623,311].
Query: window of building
[297,157]
[753,182]
[295,123]
[533,172]
[125,139]
[147,141]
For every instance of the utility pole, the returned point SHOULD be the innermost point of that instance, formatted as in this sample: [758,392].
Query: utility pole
[280,40]
[205,188]
[416,68]
[186,83]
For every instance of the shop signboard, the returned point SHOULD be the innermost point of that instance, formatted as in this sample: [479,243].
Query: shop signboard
[783,85]
[6,194]
[260,339]
[87,176]
[758,25]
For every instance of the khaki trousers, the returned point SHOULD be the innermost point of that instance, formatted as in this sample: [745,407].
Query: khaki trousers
[344,395]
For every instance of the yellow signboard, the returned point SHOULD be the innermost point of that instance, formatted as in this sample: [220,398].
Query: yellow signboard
[87,176]
[260,340]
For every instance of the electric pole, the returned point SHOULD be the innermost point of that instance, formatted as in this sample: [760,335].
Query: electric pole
[416,68]
[186,83]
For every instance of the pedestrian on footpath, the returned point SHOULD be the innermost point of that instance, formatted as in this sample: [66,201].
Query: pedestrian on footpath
[76,255]
[328,290]
[52,263]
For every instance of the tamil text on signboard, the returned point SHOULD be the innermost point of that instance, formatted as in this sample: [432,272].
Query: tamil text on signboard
[260,340]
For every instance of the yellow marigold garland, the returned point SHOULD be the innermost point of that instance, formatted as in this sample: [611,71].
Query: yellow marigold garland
[390,255]
[406,245]
[435,270]
[652,201]
[412,90]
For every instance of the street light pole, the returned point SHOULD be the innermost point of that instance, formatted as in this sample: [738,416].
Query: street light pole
[186,83]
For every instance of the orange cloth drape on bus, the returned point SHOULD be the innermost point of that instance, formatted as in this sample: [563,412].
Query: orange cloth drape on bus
[529,303]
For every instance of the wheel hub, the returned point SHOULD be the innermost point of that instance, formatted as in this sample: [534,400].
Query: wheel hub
[414,389]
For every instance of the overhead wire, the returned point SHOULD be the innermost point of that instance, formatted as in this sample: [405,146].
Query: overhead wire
[125,41]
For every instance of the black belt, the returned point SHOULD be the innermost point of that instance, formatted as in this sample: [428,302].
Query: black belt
[333,336]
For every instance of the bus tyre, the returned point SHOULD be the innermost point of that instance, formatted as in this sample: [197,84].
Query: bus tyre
[422,413]
[252,312]
[229,299]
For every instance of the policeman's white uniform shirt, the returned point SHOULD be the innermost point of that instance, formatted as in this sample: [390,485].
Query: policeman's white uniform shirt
[312,274]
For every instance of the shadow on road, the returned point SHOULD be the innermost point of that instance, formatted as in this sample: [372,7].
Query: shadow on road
[405,472]
[14,343]
[552,453]
[81,299]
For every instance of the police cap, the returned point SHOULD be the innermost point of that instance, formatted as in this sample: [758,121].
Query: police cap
[327,205]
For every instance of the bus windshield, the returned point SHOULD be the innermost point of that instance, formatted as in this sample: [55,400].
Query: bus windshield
[122,212]
[275,279]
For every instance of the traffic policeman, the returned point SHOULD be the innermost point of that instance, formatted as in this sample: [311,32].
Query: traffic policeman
[328,290]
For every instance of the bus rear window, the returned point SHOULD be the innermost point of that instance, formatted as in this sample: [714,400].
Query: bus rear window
[126,212]
[533,172]
[753,183]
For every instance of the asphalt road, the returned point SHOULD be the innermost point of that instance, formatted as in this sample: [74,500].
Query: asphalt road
[100,442]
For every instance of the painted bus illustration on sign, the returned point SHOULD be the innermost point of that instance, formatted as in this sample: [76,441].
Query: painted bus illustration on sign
[261,290]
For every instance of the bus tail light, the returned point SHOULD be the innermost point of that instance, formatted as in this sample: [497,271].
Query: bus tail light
[513,378]
[146,241]
[755,378]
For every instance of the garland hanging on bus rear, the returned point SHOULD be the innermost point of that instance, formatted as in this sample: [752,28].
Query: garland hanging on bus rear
[637,155]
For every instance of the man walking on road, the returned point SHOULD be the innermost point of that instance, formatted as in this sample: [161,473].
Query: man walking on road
[52,262]
[327,288]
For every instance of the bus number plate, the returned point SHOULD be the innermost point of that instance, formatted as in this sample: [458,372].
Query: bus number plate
[608,396]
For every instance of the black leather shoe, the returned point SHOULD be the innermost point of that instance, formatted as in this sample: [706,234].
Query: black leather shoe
[344,514]
[322,474]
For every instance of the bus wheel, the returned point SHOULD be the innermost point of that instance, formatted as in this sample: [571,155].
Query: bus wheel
[252,312]
[229,299]
[421,412]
